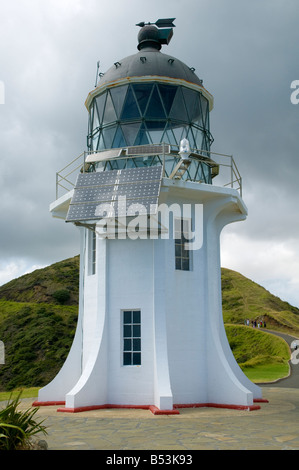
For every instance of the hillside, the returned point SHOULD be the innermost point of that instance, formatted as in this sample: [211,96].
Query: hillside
[241,298]
[44,285]
[38,315]
[244,299]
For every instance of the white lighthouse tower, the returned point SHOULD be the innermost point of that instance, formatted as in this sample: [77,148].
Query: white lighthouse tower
[150,331]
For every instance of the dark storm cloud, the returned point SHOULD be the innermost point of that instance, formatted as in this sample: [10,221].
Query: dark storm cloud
[244,51]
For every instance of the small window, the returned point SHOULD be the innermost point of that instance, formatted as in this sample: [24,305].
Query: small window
[182,256]
[131,337]
[92,252]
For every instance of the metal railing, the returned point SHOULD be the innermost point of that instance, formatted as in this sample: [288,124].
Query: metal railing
[228,174]
[232,174]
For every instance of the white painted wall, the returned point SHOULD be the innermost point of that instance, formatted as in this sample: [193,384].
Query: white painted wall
[130,280]
[186,357]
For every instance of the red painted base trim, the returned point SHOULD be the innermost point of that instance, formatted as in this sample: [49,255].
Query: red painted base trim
[79,409]
[157,411]
[152,408]
[48,403]
[219,405]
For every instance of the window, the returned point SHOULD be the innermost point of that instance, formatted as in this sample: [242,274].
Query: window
[182,256]
[92,252]
[131,337]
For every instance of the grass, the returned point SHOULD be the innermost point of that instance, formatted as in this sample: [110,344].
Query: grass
[30,392]
[266,372]
[262,356]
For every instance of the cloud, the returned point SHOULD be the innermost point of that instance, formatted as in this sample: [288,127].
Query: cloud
[246,54]
[272,264]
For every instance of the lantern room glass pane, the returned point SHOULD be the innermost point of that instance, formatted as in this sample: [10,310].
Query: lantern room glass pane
[179,133]
[168,93]
[192,104]
[118,96]
[169,136]
[100,103]
[142,93]
[192,170]
[119,140]
[178,110]
[130,132]
[156,130]
[142,138]
[130,109]
[94,140]
[108,135]
[155,107]
[109,113]
[204,109]
[190,137]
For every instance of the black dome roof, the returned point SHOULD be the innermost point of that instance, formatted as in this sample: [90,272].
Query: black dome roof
[150,61]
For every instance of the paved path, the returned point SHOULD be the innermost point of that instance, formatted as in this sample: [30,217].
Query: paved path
[292,381]
[274,427]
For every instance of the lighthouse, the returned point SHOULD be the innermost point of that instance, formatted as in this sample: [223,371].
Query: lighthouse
[150,212]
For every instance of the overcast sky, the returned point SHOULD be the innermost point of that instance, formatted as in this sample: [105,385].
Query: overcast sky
[247,54]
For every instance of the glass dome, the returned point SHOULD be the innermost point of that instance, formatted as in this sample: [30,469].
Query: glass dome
[151,113]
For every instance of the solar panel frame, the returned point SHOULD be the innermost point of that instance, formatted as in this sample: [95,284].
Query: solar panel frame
[97,191]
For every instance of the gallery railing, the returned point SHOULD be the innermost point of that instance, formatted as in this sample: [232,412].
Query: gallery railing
[223,167]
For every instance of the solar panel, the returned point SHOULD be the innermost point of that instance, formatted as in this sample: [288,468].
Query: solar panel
[154,149]
[104,155]
[115,193]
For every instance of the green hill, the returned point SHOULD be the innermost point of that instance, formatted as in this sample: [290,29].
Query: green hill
[244,299]
[44,285]
[38,315]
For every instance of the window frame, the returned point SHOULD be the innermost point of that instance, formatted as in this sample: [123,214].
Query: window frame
[132,338]
[92,252]
[182,257]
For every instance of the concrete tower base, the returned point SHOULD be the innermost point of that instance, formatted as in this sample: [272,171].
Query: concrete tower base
[186,359]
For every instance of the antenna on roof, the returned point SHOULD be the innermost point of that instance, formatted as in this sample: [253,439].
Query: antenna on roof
[97,75]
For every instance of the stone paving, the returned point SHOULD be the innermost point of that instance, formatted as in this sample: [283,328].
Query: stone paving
[274,427]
